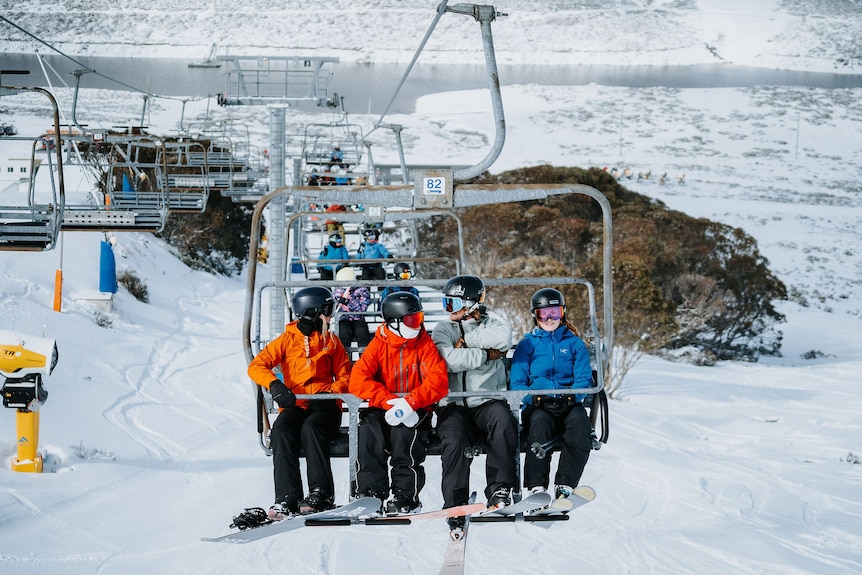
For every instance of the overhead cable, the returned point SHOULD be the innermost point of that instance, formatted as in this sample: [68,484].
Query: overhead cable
[441,9]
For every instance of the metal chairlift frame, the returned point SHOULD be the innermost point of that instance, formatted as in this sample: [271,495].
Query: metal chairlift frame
[318,148]
[36,226]
[244,172]
[401,217]
[140,211]
[412,196]
[261,80]
[186,179]
[442,192]
[126,156]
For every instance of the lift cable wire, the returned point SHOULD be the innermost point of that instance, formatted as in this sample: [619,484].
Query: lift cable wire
[43,63]
[441,9]
[87,69]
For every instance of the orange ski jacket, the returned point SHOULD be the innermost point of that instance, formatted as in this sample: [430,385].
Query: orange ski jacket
[314,364]
[391,364]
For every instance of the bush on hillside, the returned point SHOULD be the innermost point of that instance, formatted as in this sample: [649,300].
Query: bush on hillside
[134,285]
[679,281]
[214,241]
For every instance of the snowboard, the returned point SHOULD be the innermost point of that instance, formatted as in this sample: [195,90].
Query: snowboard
[558,509]
[508,513]
[358,508]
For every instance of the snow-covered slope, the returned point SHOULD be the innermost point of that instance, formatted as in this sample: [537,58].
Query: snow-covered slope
[738,468]
[790,34]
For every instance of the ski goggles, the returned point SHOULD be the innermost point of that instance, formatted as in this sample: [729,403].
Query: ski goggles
[413,320]
[325,309]
[453,304]
[405,275]
[549,313]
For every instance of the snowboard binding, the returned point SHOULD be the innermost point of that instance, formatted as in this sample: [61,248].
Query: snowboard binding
[250,518]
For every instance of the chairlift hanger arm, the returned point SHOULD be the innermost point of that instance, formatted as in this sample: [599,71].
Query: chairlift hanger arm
[484,15]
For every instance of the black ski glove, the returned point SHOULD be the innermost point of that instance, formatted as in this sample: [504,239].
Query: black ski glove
[281,395]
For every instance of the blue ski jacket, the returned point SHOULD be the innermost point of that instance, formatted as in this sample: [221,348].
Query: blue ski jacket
[333,253]
[372,251]
[550,360]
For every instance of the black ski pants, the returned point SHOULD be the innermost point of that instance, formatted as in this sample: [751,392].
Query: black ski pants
[404,447]
[311,430]
[350,330]
[541,427]
[326,274]
[373,272]
[460,429]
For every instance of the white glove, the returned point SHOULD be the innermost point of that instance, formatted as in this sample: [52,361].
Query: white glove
[401,412]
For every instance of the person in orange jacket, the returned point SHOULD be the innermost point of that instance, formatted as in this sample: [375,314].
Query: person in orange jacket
[312,360]
[400,359]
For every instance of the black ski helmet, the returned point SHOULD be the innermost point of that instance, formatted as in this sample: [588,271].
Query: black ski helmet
[402,268]
[370,234]
[471,289]
[312,302]
[335,239]
[397,306]
[547,297]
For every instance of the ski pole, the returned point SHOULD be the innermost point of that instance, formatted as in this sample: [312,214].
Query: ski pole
[540,450]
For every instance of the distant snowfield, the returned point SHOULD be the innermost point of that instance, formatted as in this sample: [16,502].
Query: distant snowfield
[739,468]
[764,33]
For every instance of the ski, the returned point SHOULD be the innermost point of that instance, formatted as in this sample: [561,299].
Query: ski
[406,519]
[509,513]
[456,548]
[558,509]
[358,508]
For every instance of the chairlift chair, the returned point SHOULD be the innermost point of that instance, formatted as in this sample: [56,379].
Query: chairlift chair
[31,221]
[468,195]
[185,177]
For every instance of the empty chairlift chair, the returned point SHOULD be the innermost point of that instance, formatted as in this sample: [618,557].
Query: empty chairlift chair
[32,195]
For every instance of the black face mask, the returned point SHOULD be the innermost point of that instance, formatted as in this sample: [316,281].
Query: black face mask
[308,326]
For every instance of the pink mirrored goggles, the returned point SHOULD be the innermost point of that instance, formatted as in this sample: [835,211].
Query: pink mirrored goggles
[549,313]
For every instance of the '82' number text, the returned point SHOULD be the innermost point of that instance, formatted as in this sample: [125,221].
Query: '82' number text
[435,185]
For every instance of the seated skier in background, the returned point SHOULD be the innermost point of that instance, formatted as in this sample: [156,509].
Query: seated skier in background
[351,326]
[402,271]
[335,250]
[372,249]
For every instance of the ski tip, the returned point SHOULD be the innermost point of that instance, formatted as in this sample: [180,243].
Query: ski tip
[562,504]
[585,492]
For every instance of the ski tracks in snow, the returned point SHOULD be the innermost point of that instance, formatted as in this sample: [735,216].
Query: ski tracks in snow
[176,381]
[715,461]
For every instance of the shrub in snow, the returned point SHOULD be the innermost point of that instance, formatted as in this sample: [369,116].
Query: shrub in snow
[134,285]
[92,453]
